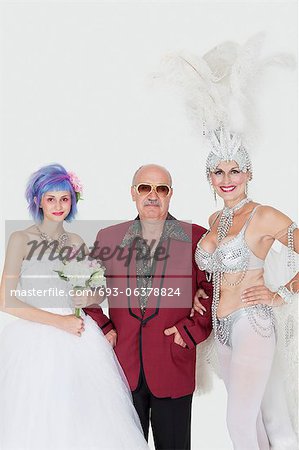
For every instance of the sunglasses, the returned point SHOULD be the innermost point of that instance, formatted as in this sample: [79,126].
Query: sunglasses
[162,190]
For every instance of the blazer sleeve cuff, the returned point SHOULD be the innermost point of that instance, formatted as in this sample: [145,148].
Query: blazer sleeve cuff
[186,335]
[108,326]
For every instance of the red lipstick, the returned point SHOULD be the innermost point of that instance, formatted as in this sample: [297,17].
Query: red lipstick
[227,188]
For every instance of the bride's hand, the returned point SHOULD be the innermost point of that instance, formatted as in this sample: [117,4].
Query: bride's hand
[71,324]
[257,295]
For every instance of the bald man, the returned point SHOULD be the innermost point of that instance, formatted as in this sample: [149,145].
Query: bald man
[153,279]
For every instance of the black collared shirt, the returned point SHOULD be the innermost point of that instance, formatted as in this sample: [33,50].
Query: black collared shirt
[145,261]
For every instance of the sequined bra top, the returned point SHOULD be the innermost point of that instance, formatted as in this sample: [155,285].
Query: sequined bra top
[230,256]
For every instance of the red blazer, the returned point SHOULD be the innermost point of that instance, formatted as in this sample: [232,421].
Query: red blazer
[169,368]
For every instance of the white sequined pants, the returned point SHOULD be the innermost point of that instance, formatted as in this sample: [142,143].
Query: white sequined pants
[253,391]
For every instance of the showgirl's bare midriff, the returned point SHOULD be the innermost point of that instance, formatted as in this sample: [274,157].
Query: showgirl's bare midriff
[230,296]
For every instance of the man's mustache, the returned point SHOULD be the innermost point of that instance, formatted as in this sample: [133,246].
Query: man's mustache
[154,202]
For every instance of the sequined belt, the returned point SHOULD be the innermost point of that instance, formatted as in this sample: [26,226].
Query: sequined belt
[261,318]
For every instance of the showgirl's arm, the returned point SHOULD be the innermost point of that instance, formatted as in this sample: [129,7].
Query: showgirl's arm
[273,224]
[279,228]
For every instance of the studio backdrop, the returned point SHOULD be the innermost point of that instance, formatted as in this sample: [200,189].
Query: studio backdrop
[77,89]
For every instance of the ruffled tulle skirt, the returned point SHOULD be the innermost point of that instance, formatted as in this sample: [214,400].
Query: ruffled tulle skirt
[62,392]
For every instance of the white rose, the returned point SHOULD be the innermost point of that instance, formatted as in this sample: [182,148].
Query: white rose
[78,272]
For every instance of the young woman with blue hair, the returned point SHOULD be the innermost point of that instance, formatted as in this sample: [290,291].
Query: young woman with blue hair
[61,386]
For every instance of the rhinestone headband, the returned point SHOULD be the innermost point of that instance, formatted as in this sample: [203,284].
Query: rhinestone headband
[226,146]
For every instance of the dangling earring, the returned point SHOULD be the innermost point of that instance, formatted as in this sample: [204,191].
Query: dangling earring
[215,196]
[213,189]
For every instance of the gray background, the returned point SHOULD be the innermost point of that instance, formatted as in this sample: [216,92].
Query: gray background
[75,89]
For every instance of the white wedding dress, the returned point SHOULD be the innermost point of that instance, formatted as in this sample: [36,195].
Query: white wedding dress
[59,391]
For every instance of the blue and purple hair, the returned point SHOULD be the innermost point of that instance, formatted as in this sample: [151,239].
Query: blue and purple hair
[53,177]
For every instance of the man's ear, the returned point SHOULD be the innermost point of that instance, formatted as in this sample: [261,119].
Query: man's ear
[133,193]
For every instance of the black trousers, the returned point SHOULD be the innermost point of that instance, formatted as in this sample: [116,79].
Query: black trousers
[170,417]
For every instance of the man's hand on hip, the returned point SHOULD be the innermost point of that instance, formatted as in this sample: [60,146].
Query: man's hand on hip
[177,337]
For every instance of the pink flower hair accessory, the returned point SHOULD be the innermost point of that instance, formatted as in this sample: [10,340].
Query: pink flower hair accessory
[77,185]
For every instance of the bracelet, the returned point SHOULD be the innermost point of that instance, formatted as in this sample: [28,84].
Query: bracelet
[273,298]
[291,262]
[285,294]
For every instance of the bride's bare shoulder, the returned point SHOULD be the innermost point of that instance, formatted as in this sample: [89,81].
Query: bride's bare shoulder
[17,243]
[77,242]
[22,235]
[75,239]
[29,233]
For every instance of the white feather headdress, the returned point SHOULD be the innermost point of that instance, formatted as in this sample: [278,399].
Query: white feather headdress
[219,90]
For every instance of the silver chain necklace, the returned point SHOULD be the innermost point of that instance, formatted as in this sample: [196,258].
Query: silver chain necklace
[61,240]
[226,218]
[221,329]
